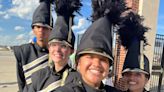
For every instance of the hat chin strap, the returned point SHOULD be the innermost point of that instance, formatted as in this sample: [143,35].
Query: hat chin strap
[141,55]
[70,29]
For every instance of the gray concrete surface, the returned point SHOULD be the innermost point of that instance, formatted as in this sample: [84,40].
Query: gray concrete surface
[8,81]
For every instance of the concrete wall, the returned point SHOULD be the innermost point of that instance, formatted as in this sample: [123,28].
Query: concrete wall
[149,9]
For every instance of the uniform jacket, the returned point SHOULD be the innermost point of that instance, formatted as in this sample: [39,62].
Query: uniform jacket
[30,58]
[143,91]
[47,79]
[81,86]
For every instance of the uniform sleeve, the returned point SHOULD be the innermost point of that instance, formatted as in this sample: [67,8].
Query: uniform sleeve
[34,78]
[71,87]
[20,73]
[64,89]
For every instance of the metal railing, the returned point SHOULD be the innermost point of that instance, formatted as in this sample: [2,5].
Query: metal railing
[157,80]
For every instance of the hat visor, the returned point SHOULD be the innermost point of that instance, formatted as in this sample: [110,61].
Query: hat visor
[60,41]
[134,70]
[43,25]
[98,53]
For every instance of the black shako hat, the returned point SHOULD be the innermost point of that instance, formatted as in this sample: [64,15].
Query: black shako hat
[62,29]
[135,60]
[97,39]
[42,15]
[61,32]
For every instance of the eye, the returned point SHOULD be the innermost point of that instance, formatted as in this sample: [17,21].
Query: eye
[138,74]
[89,56]
[63,46]
[127,74]
[45,28]
[104,59]
[53,44]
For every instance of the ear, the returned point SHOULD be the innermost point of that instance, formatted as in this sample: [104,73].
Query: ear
[48,46]
[33,30]
[78,65]
[146,80]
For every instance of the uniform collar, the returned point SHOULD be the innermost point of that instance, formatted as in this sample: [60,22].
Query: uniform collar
[143,91]
[41,49]
[59,72]
[91,89]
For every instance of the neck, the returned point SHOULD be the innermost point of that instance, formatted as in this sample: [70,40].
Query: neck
[139,90]
[42,44]
[96,86]
[59,67]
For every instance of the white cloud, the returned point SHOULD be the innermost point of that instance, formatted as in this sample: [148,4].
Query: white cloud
[20,37]
[5,40]
[25,38]
[6,16]
[31,33]
[0,6]
[23,8]
[9,39]
[19,28]
[1,29]
[81,32]
[31,36]
[82,24]
[54,16]
[88,3]
[2,13]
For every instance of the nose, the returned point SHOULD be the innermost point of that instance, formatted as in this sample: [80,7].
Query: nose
[132,76]
[58,48]
[96,62]
[41,28]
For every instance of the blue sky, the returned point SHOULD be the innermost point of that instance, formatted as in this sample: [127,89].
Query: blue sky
[15,20]
[160,26]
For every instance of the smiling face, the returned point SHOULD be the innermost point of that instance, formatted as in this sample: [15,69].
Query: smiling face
[93,68]
[136,81]
[59,52]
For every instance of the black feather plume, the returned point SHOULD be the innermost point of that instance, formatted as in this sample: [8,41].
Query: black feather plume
[130,25]
[131,28]
[112,8]
[66,8]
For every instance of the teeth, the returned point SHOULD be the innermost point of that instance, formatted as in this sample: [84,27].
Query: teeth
[131,82]
[57,55]
[95,71]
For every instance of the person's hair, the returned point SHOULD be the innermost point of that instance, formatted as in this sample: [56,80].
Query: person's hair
[147,76]
[32,27]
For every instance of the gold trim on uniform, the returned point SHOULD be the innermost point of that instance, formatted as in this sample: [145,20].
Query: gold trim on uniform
[52,86]
[28,81]
[32,64]
[35,62]
[56,84]
[29,73]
